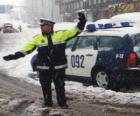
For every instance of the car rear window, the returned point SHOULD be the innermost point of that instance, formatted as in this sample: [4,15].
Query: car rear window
[137,44]
[137,40]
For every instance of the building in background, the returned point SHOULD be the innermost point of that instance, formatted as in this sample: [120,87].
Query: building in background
[96,9]
[4,12]
[33,10]
[66,10]
[5,8]
[124,7]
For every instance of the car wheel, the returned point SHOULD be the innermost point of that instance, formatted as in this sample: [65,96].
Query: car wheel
[101,78]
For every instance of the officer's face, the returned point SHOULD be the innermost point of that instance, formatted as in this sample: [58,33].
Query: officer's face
[47,28]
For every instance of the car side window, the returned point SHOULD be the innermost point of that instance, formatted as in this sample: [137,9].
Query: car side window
[86,42]
[110,42]
[137,44]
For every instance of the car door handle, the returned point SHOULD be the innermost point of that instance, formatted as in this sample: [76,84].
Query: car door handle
[89,54]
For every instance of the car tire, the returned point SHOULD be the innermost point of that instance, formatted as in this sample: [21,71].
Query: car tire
[101,78]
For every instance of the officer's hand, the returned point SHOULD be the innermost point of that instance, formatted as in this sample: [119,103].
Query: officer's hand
[81,16]
[9,57]
[82,21]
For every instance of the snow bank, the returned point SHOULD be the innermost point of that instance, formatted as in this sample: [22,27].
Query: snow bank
[102,95]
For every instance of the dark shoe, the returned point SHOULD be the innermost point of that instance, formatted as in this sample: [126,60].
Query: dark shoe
[46,105]
[65,106]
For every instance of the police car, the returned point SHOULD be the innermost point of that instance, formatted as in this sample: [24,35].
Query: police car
[109,56]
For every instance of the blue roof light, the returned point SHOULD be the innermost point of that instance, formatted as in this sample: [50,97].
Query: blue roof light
[125,24]
[91,27]
[108,25]
[101,26]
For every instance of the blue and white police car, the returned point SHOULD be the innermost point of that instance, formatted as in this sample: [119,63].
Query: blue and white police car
[109,56]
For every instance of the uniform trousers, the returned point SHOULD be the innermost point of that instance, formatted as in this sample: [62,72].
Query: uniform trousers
[58,77]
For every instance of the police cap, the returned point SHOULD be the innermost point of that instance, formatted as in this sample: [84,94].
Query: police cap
[45,22]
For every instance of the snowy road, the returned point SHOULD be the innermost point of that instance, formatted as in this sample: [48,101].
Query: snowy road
[10,43]
[18,98]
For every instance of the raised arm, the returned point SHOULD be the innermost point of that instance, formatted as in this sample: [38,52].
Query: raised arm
[67,34]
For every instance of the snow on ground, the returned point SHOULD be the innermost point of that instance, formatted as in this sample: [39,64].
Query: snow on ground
[21,68]
[105,96]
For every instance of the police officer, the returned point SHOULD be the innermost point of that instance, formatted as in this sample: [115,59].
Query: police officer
[51,59]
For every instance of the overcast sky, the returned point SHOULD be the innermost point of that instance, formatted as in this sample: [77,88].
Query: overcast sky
[11,2]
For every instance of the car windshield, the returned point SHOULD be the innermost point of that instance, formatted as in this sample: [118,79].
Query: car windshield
[70,42]
[7,25]
[110,42]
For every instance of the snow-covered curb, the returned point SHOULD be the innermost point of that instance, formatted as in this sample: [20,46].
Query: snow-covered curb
[104,96]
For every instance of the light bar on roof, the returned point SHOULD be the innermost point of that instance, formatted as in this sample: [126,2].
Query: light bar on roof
[126,24]
[101,26]
[108,25]
[93,27]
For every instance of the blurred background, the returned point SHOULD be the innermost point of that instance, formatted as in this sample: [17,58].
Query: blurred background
[30,11]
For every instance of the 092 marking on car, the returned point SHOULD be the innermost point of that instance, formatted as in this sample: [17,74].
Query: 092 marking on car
[77,61]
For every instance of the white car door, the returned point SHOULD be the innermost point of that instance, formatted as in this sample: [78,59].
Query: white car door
[83,58]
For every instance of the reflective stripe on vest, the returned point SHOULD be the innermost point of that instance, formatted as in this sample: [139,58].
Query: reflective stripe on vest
[56,67]
[42,45]
[61,36]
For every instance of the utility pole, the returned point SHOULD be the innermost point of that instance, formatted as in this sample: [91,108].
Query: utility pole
[85,7]
[92,10]
[42,11]
[52,10]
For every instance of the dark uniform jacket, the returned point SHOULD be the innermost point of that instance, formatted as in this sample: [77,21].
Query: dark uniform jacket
[50,56]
